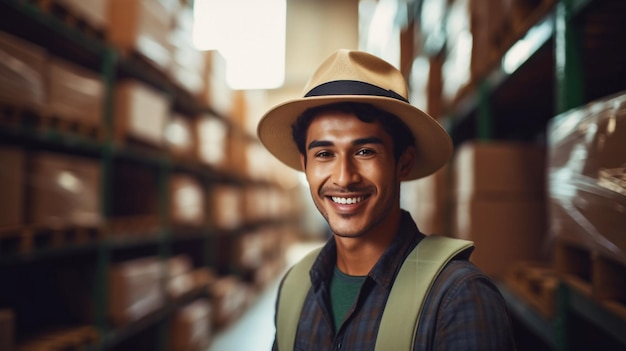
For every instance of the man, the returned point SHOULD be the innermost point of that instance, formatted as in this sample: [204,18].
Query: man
[356,137]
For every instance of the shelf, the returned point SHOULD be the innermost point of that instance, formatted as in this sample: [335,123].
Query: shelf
[116,336]
[51,33]
[597,314]
[42,254]
[524,312]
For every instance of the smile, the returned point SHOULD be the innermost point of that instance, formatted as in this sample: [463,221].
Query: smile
[347,200]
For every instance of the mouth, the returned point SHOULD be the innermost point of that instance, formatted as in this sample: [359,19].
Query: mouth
[343,200]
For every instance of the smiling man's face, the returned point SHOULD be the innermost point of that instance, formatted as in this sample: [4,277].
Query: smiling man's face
[352,173]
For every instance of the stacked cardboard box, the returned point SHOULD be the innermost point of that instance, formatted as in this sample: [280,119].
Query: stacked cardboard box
[135,289]
[230,297]
[180,135]
[74,92]
[217,93]
[187,200]
[476,35]
[499,195]
[188,65]
[142,27]
[22,72]
[192,328]
[587,177]
[64,190]
[93,12]
[427,200]
[212,133]
[227,206]
[141,112]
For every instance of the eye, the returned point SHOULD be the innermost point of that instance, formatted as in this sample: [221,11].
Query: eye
[365,152]
[323,154]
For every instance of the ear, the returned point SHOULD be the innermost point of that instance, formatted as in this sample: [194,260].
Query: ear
[406,162]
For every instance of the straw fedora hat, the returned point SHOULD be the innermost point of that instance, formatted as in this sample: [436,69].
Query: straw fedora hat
[356,76]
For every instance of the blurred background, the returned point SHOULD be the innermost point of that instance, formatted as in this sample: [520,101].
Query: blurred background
[138,210]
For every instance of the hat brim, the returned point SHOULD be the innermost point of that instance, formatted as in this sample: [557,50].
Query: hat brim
[433,144]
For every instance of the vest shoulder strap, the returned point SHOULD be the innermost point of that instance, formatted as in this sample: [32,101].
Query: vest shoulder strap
[411,287]
[296,286]
[406,299]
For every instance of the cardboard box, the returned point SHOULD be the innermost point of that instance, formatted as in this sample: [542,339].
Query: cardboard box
[218,94]
[192,328]
[65,190]
[187,200]
[180,279]
[22,71]
[212,133]
[135,289]
[93,12]
[499,168]
[141,112]
[74,92]
[180,135]
[227,206]
[12,187]
[499,203]
[428,201]
[141,26]
[230,296]
[504,232]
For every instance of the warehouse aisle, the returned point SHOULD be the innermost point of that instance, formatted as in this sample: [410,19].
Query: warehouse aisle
[254,331]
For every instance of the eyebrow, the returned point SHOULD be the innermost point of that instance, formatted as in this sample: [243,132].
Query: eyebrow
[361,141]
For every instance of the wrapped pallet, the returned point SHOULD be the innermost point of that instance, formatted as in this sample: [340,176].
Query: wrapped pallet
[587,177]
[499,203]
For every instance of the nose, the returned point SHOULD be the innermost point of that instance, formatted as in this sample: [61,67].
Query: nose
[345,172]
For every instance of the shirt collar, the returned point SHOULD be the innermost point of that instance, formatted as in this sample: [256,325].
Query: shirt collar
[385,270]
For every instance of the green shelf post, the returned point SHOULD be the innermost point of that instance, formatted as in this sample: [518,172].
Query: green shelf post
[108,65]
[485,120]
[561,327]
[568,57]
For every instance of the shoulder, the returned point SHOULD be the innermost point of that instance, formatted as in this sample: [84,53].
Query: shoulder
[465,311]
[461,277]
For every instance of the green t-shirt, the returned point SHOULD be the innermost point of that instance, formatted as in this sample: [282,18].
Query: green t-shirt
[344,289]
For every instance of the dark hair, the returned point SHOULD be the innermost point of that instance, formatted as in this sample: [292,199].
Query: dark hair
[398,130]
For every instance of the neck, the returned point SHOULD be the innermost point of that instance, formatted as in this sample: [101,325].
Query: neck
[357,256]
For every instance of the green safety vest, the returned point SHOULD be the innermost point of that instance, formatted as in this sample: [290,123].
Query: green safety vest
[404,305]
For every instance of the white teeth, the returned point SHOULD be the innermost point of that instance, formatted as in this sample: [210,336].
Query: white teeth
[347,200]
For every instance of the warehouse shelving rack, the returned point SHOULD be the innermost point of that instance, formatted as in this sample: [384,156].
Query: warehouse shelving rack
[25,20]
[568,68]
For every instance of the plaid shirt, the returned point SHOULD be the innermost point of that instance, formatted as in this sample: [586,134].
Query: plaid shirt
[464,310]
